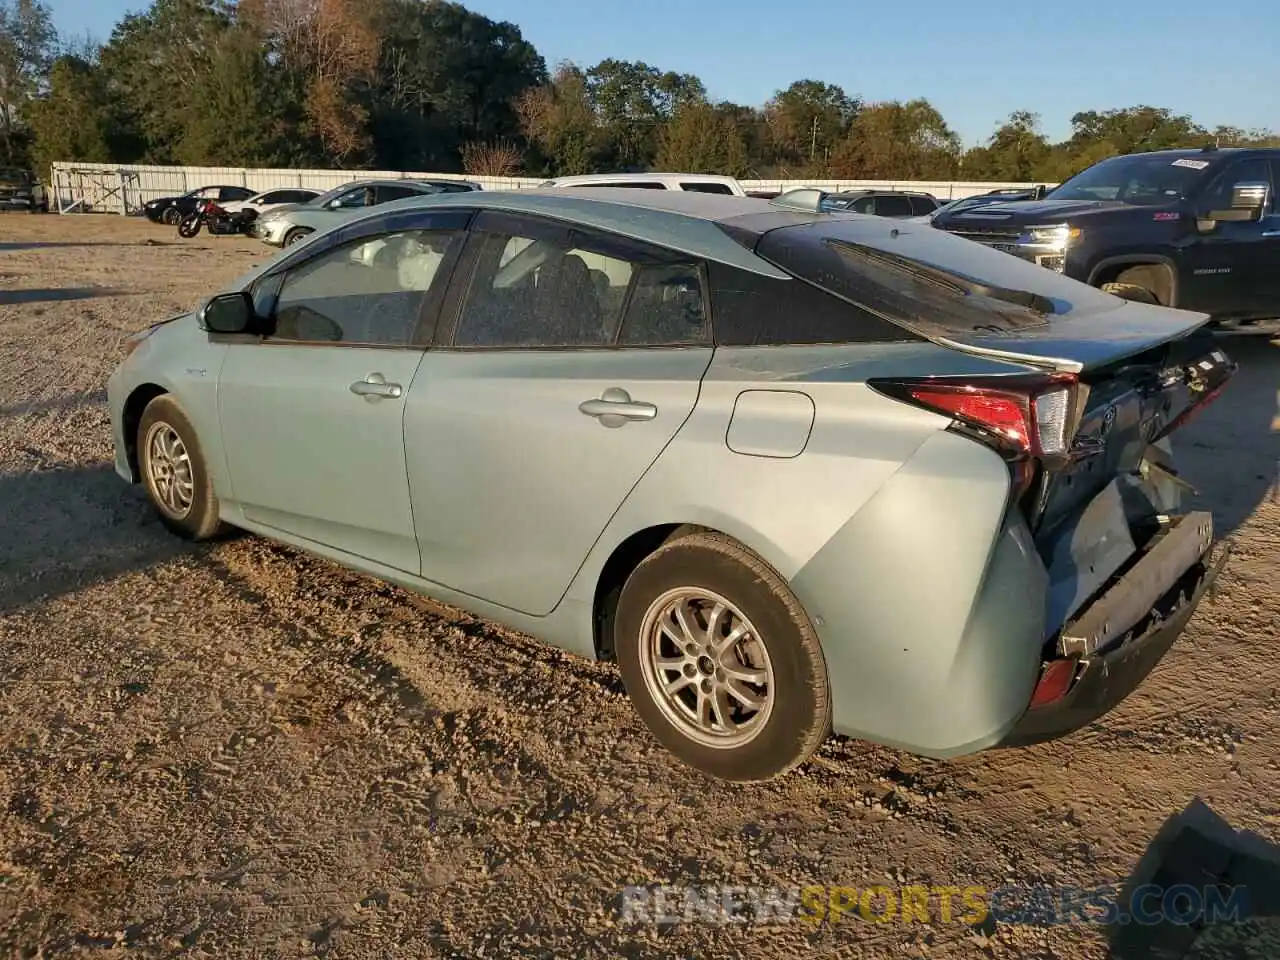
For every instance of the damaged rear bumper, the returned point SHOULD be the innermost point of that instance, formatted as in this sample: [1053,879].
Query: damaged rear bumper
[1074,691]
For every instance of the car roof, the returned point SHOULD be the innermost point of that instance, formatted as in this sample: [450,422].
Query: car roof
[647,175]
[1188,152]
[700,224]
[872,192]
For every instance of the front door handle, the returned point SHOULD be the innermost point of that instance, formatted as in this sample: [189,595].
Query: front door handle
[615,407]
[375,387]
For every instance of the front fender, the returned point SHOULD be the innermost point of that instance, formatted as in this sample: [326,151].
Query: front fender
[178,359]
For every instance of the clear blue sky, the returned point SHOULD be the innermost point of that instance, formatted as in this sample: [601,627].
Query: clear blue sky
[976,60]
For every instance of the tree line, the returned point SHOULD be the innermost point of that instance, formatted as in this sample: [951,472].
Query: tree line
[429,85]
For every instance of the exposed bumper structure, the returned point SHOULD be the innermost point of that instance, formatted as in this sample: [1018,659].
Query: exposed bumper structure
[1075,691]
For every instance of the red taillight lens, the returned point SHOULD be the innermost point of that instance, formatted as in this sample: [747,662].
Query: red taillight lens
[1055,680]
[1005,415]
[1028,414]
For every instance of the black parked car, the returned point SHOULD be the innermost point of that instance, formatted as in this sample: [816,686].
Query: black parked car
[882,203]
[172,209]
[1195,229]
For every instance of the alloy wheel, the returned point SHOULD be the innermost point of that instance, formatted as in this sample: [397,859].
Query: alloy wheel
[706,667]
[169,475]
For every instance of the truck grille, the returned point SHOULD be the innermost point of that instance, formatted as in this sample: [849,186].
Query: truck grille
[1002,238]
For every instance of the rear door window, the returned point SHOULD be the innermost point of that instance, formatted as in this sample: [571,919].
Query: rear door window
[893,206]
[546,289]
[666,307]
[389,192]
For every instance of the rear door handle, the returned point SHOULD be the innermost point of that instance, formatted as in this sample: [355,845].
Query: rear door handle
[615,407]
[375,387]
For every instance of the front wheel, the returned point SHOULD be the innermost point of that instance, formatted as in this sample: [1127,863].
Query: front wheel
[174,472]
[171,217]
[296,235]
[189,226]
[721,661]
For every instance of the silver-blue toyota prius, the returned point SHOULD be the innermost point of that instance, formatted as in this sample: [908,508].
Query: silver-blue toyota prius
[795,471]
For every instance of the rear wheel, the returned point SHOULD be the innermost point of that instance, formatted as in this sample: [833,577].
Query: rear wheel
[1145,284]
[721,661]
[174,472]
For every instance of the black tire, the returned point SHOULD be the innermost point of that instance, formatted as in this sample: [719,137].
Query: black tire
[296,235]
[799,716]
[171,217]
[190,226]
[1144,284]
[200,519]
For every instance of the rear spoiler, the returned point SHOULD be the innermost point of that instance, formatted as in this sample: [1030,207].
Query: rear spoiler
[1083,340]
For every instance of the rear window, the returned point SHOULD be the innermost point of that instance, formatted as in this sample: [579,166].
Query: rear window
[923,205]
[921,278]
[893,206]
[629,184]
[707,187]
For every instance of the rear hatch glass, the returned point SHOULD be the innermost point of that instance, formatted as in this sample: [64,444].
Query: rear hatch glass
[925,278]
[967,296]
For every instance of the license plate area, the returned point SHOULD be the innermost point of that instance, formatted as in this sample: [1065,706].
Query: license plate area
[1184,541]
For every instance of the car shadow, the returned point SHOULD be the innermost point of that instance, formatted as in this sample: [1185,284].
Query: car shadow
[1231,451]
[66,402]
[19,245]
[66,529]
[47,295]
[1202,889]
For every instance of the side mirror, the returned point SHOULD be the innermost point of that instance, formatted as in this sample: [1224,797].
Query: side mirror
[228,313]
[1248,200]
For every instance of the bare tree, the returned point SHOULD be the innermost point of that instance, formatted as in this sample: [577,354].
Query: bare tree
[497,158]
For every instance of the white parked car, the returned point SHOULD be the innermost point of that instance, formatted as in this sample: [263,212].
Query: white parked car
[692,182]
[270,199]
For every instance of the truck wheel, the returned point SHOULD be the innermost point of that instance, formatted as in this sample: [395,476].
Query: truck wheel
[720,660]
[1140,284]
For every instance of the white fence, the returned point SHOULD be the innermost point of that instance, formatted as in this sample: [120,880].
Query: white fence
[112,188]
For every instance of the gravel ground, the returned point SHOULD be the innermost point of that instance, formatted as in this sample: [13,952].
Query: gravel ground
[238,750]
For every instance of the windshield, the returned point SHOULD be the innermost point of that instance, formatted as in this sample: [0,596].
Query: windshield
[1154,179]
[333,194]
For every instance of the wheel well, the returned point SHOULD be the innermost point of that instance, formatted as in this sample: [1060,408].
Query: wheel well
[130,419]
[625,558]
[1164,291]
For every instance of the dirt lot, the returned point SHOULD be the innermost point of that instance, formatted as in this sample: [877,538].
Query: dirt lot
[238,750]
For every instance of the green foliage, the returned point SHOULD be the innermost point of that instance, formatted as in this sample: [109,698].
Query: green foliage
[72,121]
[27,50]
[702,138]
[431,85]
[446,77]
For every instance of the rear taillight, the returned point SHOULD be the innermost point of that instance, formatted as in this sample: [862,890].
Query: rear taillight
[1025,418]
[1022,415]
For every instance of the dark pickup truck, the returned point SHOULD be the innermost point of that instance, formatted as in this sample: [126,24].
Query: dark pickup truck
[1195,229]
